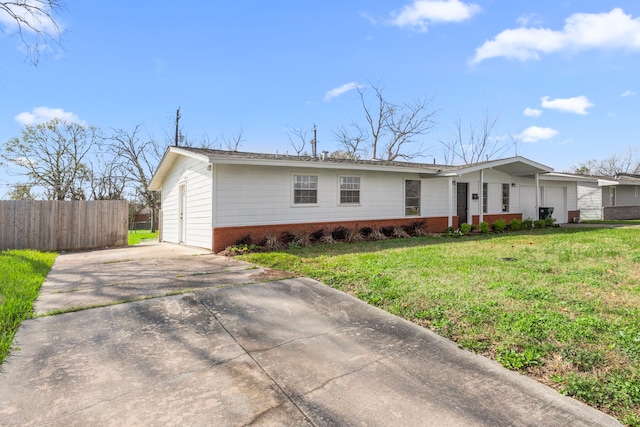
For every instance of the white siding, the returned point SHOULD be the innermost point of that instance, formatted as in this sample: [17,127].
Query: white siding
[589,200]
[197,180]
[264,195]
[528,202]
[494,180]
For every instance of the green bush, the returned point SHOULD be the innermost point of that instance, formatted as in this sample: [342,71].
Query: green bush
[465,228]
[499,225]
[449,230]
[484,227]
[527,224]
[549,222]
[515,224]
[539,223]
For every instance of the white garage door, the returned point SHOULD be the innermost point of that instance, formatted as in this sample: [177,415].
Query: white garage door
[556,197]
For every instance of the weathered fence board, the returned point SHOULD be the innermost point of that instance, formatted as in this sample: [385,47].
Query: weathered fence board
[52,225]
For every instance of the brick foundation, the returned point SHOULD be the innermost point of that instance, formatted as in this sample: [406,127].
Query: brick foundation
[573,216]
[491,218]
[224,237]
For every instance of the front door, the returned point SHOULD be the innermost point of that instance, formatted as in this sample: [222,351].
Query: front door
[462,200]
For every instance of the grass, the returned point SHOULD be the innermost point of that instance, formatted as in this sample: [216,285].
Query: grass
[138,236]
[559,305]
[22,272]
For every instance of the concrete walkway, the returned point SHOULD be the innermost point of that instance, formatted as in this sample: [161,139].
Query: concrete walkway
[235,351]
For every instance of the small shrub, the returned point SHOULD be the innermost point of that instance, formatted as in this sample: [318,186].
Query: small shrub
[353,235]
[515,224]
[302,238]
[419,228]
[449,230]
[327,239]
[499,225]
[527,224]
[272,243]
[399,233]
[377,234]
[366,232]
[539,223]
[387,231]
[318,234]
[242,249]
[339,233]
[550,222]
[465,228]
[484,227]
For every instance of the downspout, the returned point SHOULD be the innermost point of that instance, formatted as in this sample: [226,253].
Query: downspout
[481,204]
[450,218]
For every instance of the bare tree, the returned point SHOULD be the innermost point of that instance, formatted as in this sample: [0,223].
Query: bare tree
[472,142]
[54,156]
[34,22]
[353,141]
[232,143]
[627,162]
[297,138]
[392,130]
[108,182]
[138,158]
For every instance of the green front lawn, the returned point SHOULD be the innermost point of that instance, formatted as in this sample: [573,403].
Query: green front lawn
[22,272]
[559,305]
[138,236]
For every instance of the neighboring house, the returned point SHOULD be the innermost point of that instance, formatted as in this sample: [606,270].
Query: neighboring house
[609,198]
[213,198]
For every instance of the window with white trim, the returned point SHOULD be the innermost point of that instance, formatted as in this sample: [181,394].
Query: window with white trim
[485,197]
[412,197]
[349,190]
[505,197]
[305,189]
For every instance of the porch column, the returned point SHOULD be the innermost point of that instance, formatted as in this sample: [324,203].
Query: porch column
[481,200]
[537,196]
[450,217]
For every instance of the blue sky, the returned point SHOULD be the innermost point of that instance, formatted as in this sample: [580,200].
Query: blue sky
[562,75]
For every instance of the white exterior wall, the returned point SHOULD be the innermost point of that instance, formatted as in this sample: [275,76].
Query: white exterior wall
[589,200]
[259,195]
[198,222]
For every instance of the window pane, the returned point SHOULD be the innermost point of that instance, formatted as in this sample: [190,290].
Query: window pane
[505,197]
[412,197]
[349,189]
[305,189]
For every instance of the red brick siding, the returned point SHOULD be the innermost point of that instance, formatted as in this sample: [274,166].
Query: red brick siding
[491,218]
[227,236]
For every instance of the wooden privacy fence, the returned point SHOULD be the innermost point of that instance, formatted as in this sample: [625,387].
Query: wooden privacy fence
[51,225]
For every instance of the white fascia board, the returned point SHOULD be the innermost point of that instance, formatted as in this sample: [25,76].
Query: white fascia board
[167,161]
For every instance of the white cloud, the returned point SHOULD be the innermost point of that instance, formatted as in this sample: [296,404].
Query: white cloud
[532,112]
[333,93]
[627,93]
[581,31]
[577,104]
[44,114]
[536,133]
[421,13]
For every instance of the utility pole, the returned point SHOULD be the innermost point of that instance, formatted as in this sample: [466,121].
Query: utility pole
[177,126]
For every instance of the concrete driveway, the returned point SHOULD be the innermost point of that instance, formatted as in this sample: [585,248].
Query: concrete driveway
[200,340]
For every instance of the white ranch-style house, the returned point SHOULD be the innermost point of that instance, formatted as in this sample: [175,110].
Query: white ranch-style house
[213,198]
